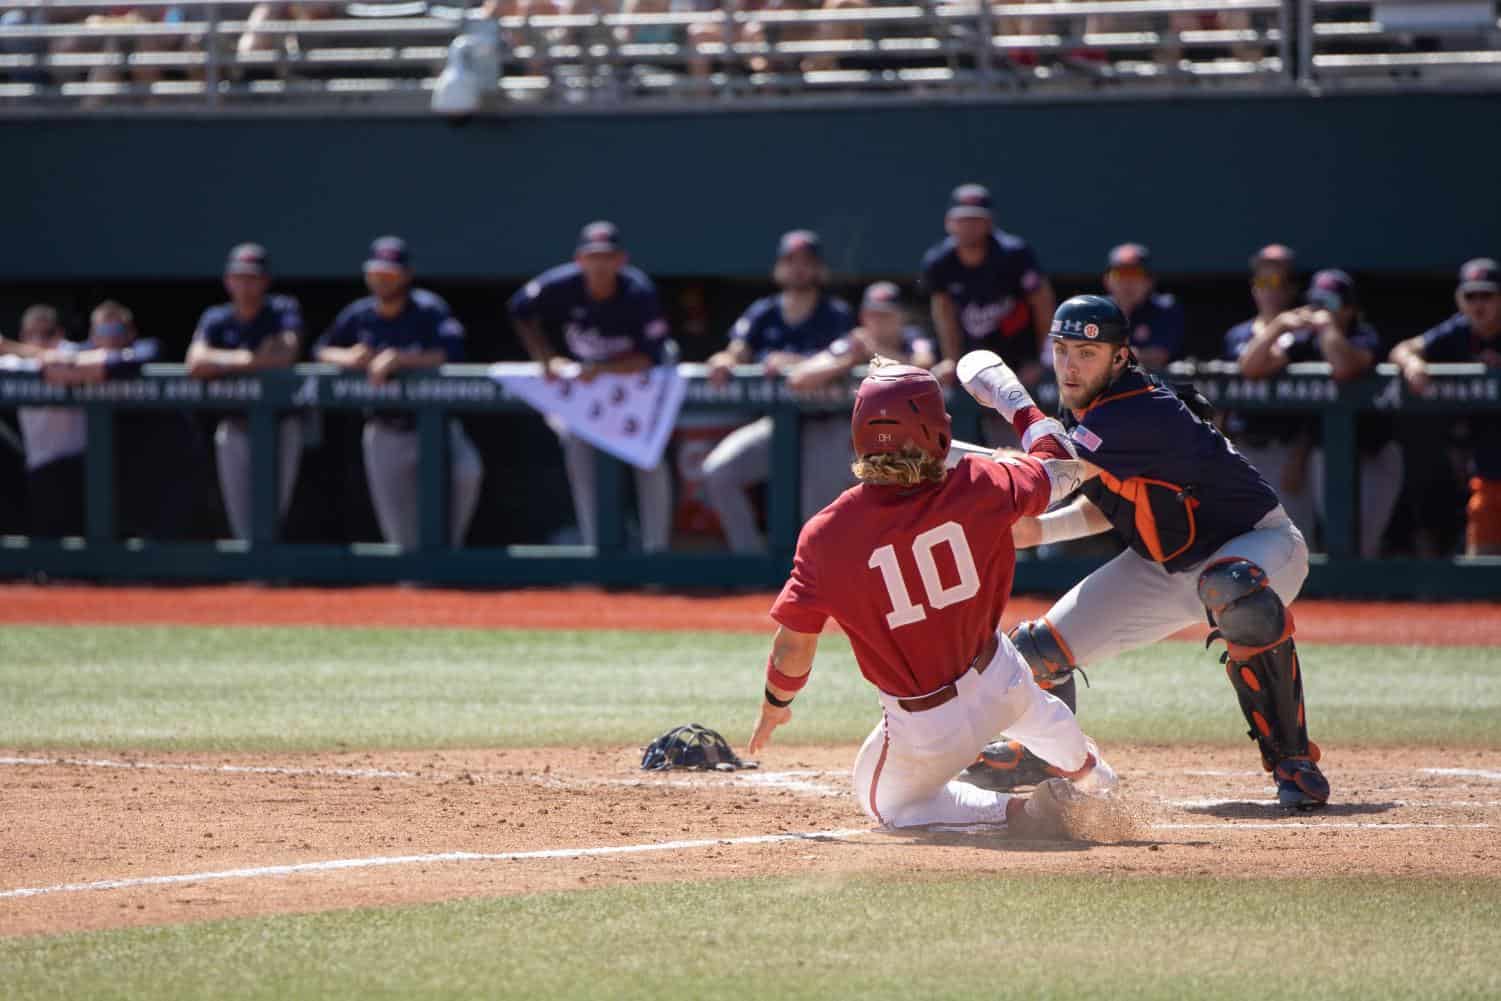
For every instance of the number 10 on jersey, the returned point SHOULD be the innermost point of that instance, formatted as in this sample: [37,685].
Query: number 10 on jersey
[904,611]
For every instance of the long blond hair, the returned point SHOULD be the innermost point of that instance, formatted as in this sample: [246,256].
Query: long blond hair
[909,467]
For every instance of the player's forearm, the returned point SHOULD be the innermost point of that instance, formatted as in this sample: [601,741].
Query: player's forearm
[532,338]
[819,370]
[792,660]
[277,352]
[1260,359]
[429,358]
[1346,361]
[627,364]
[20,348]
[350,357]
[220,358]
[1076,520]
[946,326]
[1408,352]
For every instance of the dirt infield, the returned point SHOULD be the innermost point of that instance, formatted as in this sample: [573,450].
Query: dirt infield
[100,840]
[1456,624]
[71,823]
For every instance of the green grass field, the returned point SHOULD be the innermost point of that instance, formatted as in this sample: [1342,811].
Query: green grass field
[1289,935]
[303,689]
[1076,938]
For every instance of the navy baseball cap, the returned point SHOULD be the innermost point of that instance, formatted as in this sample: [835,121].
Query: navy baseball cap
[970,201]
[388,253]
[1128,256]
[1332,289]
[800,239]
[1480,275]
[248,259]
[598,237]
[882,296]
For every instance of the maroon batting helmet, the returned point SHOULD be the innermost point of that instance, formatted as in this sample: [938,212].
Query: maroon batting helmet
[897,406]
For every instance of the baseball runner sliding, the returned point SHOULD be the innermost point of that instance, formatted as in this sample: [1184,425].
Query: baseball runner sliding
[915,563]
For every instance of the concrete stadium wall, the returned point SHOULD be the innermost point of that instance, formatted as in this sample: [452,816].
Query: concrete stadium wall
[1400,184]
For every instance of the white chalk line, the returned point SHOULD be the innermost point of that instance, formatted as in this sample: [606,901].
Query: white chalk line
[1467,773]
[1335,825]
[390,860]
[183,766]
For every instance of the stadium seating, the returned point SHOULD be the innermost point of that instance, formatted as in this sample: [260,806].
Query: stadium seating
[389,54]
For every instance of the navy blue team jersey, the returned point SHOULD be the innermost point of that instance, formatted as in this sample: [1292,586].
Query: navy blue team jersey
[221,327]
[991,299]
[1170,483]
[763,329]
[425,324]
[1455,340]
[628,322]
[1158,323]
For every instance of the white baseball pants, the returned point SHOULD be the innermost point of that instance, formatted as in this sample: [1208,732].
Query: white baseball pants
[905,772]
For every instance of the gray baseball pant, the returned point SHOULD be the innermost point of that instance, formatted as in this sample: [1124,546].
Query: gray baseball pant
[391,470]
[232,456]
[744,458]
[653,494]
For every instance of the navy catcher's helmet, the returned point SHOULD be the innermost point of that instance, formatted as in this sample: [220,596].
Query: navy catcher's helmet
[692,746]
[1089,318]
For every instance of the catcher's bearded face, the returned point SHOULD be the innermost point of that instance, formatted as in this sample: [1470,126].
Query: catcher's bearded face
[1083,370]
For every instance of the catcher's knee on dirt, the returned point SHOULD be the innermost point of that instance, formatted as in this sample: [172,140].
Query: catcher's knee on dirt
[1049,658]
[1262,660]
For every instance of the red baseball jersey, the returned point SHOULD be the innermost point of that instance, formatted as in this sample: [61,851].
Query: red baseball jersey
[916,577]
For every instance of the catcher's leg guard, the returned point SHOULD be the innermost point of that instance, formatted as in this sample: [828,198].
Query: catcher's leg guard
[1006,764]
[1049,658]
[1262,664]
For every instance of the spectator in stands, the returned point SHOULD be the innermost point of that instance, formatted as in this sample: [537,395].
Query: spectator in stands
[834,33]
[125,16]
[255,39]
[53,437]
[1330,328]
[252,332]
[987,290]
[1471,335]
[1154,319]
[607,316]
[883,331]
[395,329]
[779,331]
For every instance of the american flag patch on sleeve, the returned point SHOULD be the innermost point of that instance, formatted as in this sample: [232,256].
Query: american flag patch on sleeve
[1086,437]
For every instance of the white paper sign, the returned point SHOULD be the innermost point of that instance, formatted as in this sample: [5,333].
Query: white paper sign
[629,416]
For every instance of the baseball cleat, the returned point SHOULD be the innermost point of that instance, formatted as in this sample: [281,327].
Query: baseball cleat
[1300,784]
[1101,779]
[1004,765]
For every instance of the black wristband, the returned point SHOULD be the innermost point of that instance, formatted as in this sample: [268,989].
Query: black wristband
[779,703]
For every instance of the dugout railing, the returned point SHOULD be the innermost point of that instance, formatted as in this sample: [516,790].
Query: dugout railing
[100,555]
[388,59]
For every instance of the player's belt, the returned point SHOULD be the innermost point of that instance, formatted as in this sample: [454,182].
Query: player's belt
[946,694]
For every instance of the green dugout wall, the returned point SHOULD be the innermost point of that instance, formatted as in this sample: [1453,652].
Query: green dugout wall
[1377,183]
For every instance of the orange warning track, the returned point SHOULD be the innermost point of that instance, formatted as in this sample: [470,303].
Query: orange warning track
[1449,624]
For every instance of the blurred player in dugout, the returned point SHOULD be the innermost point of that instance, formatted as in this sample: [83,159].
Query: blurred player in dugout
[399,328]
[252,332]
[608,318]
[1285,448]
[781,331]
[1154,320]
[1473,334]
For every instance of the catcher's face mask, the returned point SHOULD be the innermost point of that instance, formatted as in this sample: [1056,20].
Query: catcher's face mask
[692,746]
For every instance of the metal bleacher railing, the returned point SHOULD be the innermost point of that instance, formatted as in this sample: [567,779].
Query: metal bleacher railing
[387,56]
[469,389]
